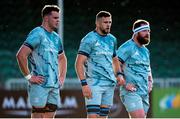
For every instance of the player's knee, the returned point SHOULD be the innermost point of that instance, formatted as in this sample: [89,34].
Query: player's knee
[137,114]
[93,109]
[104,111]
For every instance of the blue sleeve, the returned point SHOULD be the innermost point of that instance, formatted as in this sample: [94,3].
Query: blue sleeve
[123,52]
[61,48]
[33,40]
[85,46]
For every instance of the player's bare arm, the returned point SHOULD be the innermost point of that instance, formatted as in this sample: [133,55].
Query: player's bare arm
[62,62]
[150,82]
[118,71]
[22,56]
[79,65]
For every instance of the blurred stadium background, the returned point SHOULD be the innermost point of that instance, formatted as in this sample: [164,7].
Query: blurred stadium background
[20,16]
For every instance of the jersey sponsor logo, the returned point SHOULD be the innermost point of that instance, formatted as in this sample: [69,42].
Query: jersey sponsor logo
[50,49]
[103,53]
[142,62]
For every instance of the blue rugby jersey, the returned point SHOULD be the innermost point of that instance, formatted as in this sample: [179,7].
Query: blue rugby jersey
[137,65]
[100,50]
[45,48]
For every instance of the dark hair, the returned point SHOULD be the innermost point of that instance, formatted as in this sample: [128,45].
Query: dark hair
[103,14]
[48,9]
[139,23]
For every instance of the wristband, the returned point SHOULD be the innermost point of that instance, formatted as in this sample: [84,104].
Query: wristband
[83,82]
[119,73]
[28,76]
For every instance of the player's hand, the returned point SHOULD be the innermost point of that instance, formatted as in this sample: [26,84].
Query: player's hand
[120,80]
[86,92]
[36,79]
[130,87]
